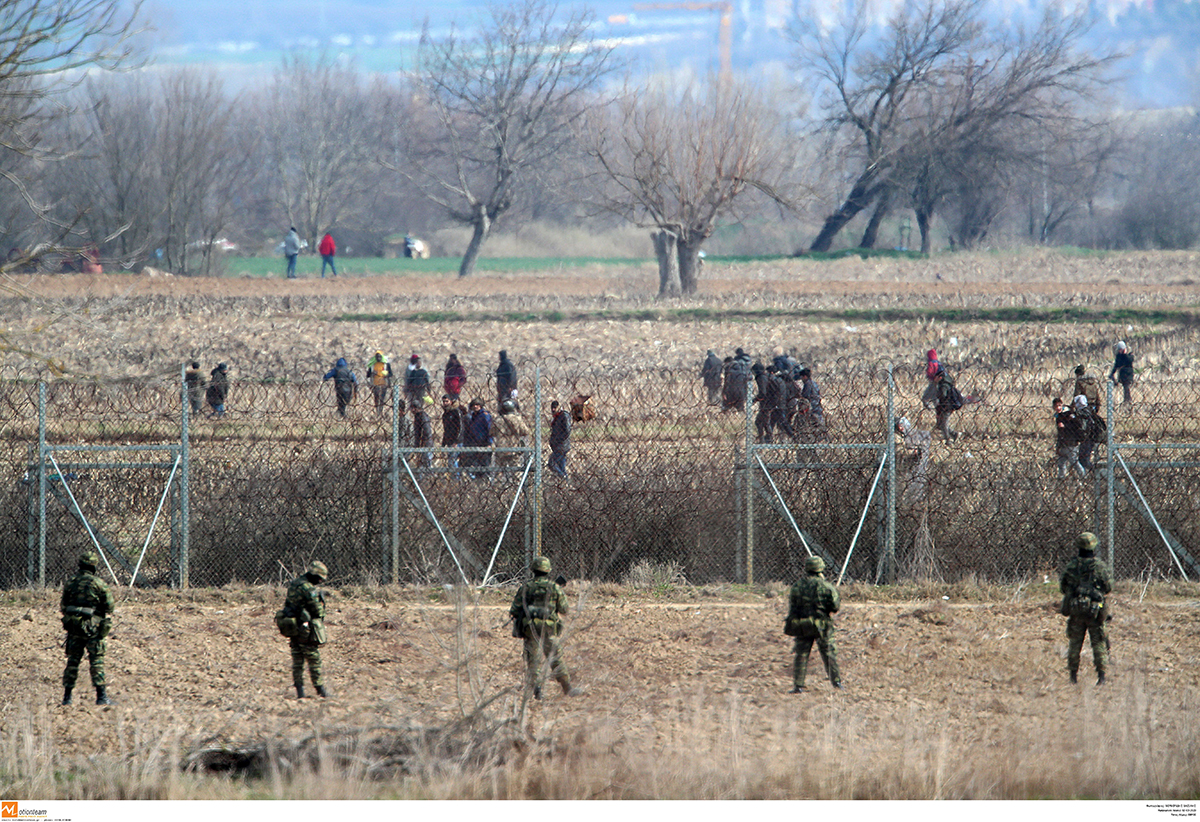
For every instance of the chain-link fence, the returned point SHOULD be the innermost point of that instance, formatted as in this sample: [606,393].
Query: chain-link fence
[657,475]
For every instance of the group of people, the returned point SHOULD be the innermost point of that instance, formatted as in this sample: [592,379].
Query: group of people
[215,394]
[537,612]
[1079,428]
[788,398]
[292,246]
[473,426]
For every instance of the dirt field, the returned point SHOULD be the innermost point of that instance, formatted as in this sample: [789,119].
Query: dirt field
[687,691]
[138,326]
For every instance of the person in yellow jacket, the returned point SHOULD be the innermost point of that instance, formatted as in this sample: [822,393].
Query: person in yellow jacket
[379,372]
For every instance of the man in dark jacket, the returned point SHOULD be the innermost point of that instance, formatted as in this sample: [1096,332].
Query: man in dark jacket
[506,381]
[453,423]
[1069,433]
[416,382]
[737,379]
[478,433]
[423,428]
[1122,370]
[87,605]
[218,389]
[710,373]
[193,378]
[345,384]
[560,439]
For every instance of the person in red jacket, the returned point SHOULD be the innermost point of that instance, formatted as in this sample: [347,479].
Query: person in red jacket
[327,249]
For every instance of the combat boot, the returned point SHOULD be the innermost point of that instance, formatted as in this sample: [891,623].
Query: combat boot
[321,692]
[567,690]
[66,696]
[299,692]
[1074,677]
[799,689]
[1100,678]
[102,696]
[537,691]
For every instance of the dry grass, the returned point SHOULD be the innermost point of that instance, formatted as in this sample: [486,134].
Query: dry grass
[942,699]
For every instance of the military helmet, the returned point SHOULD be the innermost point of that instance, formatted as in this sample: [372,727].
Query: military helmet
[814,565]
[88,559]
[541,565]
[316,568]
[1086,542]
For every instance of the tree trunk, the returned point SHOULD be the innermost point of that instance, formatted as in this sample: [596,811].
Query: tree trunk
[860,197]
[882,208]
[689,266]
[668,263]
[924,218]
[483,227]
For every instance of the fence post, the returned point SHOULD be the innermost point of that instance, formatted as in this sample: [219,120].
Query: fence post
[749,474]
[890,545]
[394,559]
[536,456]
[41,485]
[1110,460]
[185,508]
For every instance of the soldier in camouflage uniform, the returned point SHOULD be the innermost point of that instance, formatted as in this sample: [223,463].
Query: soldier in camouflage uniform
[810,603]
[87,606]
[536,612]
[307,605]
[1084,583]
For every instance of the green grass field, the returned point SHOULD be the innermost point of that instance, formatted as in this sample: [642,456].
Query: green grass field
[309,266]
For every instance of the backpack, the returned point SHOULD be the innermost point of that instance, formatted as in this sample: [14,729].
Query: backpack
[288,624]
[954,398]
[1097,428]
[1086,601]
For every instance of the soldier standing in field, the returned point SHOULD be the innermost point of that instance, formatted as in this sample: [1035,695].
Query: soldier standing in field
[536,612]
[1084,583]
[306,605]
[810,603]
[87,606]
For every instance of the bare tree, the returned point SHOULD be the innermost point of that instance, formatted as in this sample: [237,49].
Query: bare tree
[504,105]
[108,174]
[317,120]
[1156,207]
[867,86]
[159,165]
[949,106]
[46,47]
[678,162]
[203,153]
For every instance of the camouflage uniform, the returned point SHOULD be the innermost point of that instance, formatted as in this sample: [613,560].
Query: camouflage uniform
[536,611]
[810,603]
[307,605]
[87,605]
[1084,583]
